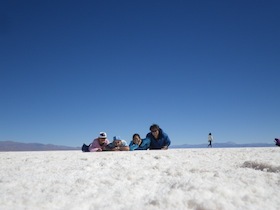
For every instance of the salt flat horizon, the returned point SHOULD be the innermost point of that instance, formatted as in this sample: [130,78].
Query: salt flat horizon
[213,178]
[20,146]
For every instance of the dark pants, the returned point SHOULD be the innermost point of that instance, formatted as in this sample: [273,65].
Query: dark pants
[210,144]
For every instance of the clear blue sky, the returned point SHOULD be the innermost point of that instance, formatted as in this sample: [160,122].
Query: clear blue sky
[70,69]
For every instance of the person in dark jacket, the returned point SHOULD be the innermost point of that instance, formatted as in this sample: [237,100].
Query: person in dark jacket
[139,144]
[159,139]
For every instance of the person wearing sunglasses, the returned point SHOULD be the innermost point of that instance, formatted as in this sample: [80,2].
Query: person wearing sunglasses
[118,144]
[159,139]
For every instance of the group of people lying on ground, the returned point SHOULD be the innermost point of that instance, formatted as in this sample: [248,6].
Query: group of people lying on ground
[155,139]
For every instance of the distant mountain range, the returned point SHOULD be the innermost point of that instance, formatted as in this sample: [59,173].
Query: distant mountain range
[223,145]
[18,146]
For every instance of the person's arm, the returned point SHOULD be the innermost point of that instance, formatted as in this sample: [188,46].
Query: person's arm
[94,146]
[145,144]
[167,142]
[109,147]
[104,147]
[124,148]
[115,149]
[133,147]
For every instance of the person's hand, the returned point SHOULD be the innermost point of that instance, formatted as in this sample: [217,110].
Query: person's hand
[98,150]
[164,148]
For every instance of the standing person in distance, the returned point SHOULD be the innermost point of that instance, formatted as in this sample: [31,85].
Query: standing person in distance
[210,139]
[159,139]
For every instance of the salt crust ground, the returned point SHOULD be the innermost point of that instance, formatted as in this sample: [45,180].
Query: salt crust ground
[232,178]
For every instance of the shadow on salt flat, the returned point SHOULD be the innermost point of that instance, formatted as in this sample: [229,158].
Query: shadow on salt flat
[261,166]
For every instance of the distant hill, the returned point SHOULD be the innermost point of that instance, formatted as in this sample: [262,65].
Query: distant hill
[18,146]
[223,145]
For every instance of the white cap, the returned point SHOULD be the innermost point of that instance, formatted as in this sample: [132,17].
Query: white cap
[102,135]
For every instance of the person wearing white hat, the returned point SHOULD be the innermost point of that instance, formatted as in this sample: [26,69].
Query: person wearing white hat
[99,143]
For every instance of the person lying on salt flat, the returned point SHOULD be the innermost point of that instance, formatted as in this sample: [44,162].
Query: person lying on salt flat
[139,144]
[159,139]
[117,145]
[99,143]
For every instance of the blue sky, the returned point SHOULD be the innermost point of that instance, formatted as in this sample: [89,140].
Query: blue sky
[70,69]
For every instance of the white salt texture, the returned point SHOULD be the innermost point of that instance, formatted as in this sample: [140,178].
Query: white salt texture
[201,179]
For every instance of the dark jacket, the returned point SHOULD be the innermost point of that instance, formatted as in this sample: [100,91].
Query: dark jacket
[159,143]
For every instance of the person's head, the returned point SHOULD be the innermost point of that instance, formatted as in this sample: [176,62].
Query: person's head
[155,130]
[136,139]
[117,141]
[210,134]
[102,138]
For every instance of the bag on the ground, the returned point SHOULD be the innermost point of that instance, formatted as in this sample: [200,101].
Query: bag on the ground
[277,142]
[85,148]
